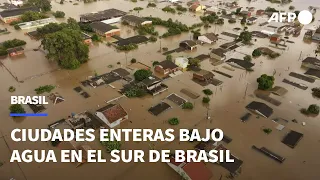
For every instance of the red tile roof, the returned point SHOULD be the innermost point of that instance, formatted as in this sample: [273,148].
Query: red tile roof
[197,171]
[114,113]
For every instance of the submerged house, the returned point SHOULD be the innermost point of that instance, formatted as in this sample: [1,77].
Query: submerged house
[86,38]
[182,62]
[275,38]
[188,45]
[7,16]
[316,35]
[190,170]
[239,63]
[154,85]
[204,77]
[252,20]
[312,63]
[260,108]
[166,67]
[209,38]
[112,114]
[104,29]
[108,16]
[219,54]
[15,51]
[135,20]
[197,7]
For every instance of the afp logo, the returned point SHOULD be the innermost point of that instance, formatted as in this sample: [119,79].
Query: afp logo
[304,17]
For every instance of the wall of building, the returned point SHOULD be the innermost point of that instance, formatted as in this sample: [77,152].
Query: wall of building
[112,20]
[103,118]
[214,56]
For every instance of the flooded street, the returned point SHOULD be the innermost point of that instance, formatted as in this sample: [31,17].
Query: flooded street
[226,107]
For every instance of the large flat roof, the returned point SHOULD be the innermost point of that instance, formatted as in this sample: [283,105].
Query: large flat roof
[101,15]
[17,12]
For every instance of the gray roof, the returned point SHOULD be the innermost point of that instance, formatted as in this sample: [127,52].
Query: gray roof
[190,43]
[313,72]
[150,80]
[311,60]
[211,36]
[103,15]
[103,27]
[219,51]
[244,64]
[167,64]
[134,19]
[261,108]
[252,19]
[17,12]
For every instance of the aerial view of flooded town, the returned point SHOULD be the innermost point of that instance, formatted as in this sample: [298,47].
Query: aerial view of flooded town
[159,64]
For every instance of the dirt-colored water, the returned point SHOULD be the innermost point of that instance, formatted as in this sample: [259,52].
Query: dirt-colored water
[227,103]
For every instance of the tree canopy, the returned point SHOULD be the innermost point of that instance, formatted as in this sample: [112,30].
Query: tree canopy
[265,82]
[245,36]
[142,74]
[44,5]
[32,16]
[66,47]
[59,14]
[256,53]
[313,109]
[16,108]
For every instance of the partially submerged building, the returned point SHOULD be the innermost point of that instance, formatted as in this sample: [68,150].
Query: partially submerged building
[104,29]
[7,16]
[182,62]
[239,63]
[316,35]
[188,45]
[166,67]
[312,63]
[154,85]
[260,108]
[135,20]
[15,51]
[292,138]
[252,20]
[112,114]
[218,54]
[209,38]
[108,16]
[190,170]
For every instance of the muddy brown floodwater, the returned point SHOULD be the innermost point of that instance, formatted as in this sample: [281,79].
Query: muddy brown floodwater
[227,103]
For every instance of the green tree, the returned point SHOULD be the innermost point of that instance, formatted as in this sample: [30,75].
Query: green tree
[243,20]
[256,53]
[291,7]
[314,109]
[59,14]
[265,82]
[155,63]
[16,108]
[32,16]
[187,105]
[142,74]
[173,121]
[206,100]
[111,145]
[44,5]
[238,10]
[13,43]
[43,89]
[245,36]
[194,62]
[96,38]
[73,24]
[247,58]
[66,47]
[316,92]
[207,92]
[133,60]
[169,57]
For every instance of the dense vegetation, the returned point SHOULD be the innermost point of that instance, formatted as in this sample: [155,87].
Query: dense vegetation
[143,30]
[169,9]
[111,145]
[59,14]
[138,9]
[64,44]
[205,100]
[181,8]
[44,5]
[151,5]
[43,89]
[16,108]
[207,92]
[142,74]
[247,58]
[13,43]
[174,27]
[245,37]
[32,16]
[128,47]
[173,121]
[313,109]
[187,105]
[211,18]
[256,53]
[135,91]
[265,82]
